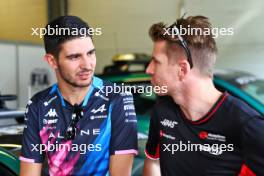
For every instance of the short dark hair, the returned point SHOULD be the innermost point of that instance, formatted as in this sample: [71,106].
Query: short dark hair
[202,47]
[71,24]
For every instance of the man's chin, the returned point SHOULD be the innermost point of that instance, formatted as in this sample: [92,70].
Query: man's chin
[84,84]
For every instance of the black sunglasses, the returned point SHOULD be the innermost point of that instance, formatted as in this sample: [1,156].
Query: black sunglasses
[72,129]
[182,42]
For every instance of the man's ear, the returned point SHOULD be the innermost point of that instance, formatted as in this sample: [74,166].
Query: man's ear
[51,60]
[184,68]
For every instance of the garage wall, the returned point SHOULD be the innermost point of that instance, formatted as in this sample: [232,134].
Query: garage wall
[124,24]
[8,71]
[18,17]
[18,61]
[245,49]
[30,58]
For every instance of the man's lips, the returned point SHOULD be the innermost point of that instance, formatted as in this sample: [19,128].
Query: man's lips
[84,75]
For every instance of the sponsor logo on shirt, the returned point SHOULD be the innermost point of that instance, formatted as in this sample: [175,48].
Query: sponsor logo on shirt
[92,117]
[128,100]
[130,114]
[168,136]
[50,121]
[126,93]
[88,132]
[26,111]
[52,113]
[97,94]
[28,104]
[168,123]
[46,103]
[211,150]
[100,109]
[210,136]
[129,107]
[131,120]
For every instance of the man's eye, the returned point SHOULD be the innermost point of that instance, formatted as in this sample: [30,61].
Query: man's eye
[155,61]
[91,52]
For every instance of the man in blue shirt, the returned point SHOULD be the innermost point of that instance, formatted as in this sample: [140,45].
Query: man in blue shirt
[79,127]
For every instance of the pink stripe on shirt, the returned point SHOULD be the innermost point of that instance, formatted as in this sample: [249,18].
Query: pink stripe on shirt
[21,158]
[122,152]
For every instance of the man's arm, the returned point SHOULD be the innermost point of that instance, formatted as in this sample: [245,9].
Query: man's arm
[253,145]
[151,167]
[123,143]
[121,164]
[30,169]
[31,158]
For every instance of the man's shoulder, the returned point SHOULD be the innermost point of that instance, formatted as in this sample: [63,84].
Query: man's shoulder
[241,108]
[109,89]
[43,95]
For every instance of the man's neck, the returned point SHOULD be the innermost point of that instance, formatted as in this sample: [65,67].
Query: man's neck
[198,99]
[74,95]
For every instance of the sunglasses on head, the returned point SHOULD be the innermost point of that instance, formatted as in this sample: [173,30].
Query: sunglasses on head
[181,42]
[72,129]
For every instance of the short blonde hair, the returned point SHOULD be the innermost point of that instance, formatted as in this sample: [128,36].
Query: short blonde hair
[202,47]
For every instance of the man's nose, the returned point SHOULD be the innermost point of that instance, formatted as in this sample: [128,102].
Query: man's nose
[85,62]
[149,69]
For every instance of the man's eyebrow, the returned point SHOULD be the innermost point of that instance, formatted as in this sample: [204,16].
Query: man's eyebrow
[91,51]
[73,55]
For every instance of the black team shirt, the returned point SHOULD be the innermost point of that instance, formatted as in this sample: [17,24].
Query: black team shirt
[228,140]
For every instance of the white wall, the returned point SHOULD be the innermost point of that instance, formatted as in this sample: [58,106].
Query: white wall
[8,71]
[245,49]
[30,58]
[17,63]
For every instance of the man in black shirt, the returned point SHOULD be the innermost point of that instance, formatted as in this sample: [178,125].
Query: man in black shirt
[196,129]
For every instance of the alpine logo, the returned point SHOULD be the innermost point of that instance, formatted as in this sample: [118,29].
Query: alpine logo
[52,113]
[168,123]
[100,109]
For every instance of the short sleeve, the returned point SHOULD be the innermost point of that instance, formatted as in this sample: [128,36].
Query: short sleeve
[124,126]
[31,141]
[253,144]
[152,146]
